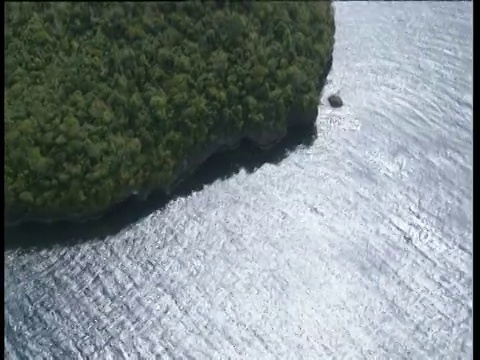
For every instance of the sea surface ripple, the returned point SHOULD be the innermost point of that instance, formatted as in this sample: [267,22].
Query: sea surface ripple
[358,246]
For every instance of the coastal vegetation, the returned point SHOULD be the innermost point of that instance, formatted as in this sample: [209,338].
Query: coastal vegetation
[106,99]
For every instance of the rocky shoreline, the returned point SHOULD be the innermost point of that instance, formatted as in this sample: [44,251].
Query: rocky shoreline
[264,140]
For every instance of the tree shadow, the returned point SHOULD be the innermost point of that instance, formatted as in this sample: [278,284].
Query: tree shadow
[33,235]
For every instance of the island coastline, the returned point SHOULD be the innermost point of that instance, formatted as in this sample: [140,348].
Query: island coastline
[263,139]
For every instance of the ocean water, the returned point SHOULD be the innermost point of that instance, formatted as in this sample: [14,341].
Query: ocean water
[356,244]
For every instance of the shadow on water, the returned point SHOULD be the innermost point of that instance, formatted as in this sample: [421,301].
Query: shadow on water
[219,166]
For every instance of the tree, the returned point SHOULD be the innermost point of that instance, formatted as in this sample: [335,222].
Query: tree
[104,97]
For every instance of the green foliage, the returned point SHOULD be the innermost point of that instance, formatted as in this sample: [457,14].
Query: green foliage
[104,98]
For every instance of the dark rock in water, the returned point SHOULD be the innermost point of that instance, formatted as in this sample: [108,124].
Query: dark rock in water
[335,101]
[408,239]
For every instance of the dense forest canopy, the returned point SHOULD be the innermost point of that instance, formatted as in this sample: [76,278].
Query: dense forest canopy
[102,99]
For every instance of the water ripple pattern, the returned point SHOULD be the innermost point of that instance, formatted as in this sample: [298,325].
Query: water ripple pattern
[357,247]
